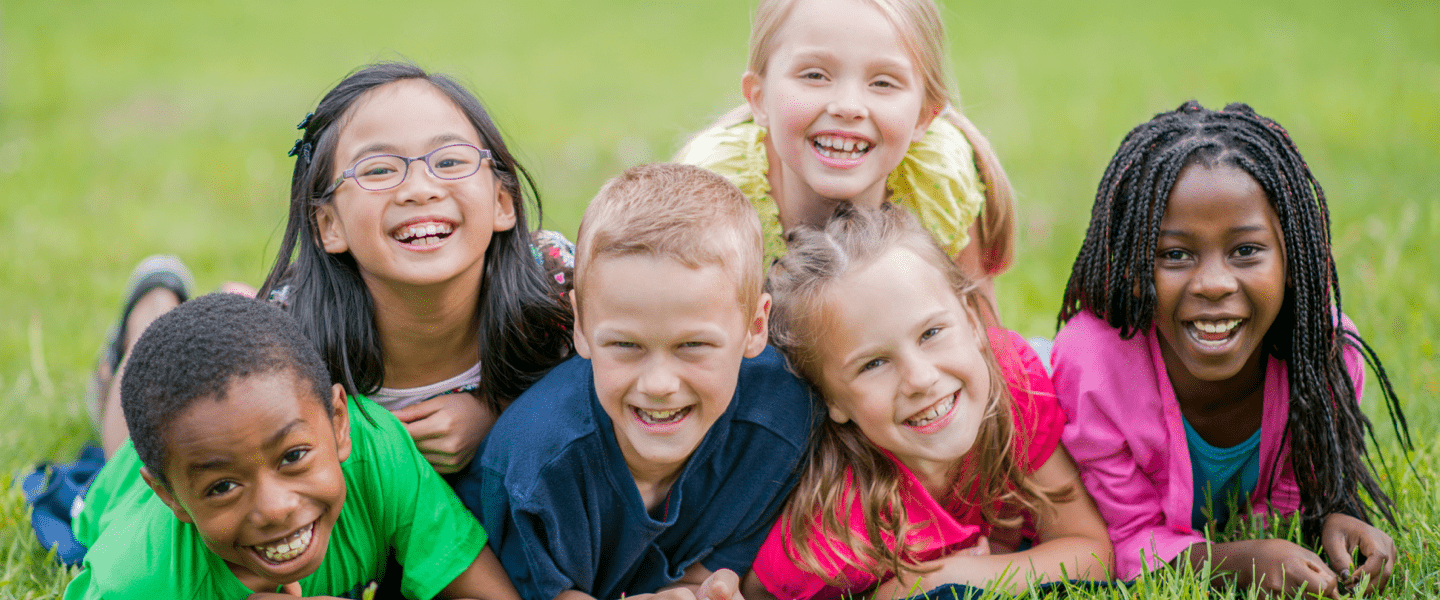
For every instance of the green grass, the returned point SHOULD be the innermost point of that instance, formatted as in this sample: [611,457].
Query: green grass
[133,128]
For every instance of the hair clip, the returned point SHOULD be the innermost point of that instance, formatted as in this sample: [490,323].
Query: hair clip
[294,150]
[304,123]
[301,149]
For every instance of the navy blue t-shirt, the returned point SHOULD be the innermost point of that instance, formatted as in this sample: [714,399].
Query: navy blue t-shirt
[563,512]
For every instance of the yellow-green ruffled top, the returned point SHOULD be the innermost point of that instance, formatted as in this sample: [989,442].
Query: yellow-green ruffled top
[937,180]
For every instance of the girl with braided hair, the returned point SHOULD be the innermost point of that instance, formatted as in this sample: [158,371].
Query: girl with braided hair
[1205,362]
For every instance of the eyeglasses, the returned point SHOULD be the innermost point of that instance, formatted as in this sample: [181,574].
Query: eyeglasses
[385,171]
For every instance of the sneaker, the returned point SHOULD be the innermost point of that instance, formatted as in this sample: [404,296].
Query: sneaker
[159,270]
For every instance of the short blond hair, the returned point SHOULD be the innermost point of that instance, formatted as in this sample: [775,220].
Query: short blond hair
[681,212]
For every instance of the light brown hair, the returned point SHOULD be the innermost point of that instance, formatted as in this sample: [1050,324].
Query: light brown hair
[675,211]
[802,286]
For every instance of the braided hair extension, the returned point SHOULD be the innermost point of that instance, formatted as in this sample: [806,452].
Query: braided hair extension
[1113,279]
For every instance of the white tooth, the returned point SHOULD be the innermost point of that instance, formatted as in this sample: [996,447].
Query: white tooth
[862,146]
[849,145]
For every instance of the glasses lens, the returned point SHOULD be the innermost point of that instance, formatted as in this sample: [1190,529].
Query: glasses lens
[455,162]
[380,172]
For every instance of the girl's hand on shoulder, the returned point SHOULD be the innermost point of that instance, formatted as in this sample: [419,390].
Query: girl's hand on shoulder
[1276,566]
[1341,535]
[447,429]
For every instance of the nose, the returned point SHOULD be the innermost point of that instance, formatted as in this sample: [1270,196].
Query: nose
[420,184]
[847,103]
[657,379]
[275,502]
[1214,280]
[918,377]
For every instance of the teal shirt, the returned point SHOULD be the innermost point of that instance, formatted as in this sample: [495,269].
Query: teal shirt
[1223,476]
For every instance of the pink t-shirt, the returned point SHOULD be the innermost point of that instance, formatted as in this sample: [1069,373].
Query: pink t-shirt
[937,530]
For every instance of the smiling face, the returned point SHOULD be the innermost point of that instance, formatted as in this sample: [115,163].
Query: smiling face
[842,99]
[427,230]
[665,341]
[901,358]
[258,474]
[1219,274]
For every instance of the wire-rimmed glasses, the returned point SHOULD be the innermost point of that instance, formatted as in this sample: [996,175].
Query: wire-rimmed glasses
[381,172]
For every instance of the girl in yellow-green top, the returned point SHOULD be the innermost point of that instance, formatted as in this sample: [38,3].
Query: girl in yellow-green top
[845,110]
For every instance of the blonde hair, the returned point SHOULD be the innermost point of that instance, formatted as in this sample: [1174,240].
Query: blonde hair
[675,211]
[923,32]
[801,285]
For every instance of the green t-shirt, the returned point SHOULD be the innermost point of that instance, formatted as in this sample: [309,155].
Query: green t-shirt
[395,502]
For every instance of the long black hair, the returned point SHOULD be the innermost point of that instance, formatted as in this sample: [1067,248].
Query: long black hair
[1113,278]
[523,321]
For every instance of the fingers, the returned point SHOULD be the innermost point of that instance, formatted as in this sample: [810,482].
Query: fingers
[1315,575]
[981,548]
[720,585]
[419,410]
[1337,544]
[292,588]
[1379,551]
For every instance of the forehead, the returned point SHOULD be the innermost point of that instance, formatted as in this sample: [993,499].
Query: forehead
[1222,196]
[634,285]
[407,116]
[885,298]
[251,414]
[817,25]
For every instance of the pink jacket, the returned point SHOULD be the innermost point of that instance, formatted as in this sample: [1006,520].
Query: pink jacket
[1125,433]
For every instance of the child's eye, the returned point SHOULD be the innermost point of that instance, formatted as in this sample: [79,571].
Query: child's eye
[1247,251]
[1173,255]
[813,76]
[884,83]
[294,456]
[930,333]
[219,488]
[872,364]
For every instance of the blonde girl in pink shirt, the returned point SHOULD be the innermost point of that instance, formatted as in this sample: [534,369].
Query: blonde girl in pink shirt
[941,453]
[1205,363]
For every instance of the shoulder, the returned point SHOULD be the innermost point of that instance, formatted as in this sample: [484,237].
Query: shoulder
[150,557]
[544,423]
[772,398]
[375,434]
[938,181]
[1039,419]
[1089,351]
[736,152]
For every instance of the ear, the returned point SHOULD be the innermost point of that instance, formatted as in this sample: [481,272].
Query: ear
[837,414]
[582,345]
[163,493]
[757,333]
[927,116]
[750,87]
[332,233]
[504,208]
[340,423]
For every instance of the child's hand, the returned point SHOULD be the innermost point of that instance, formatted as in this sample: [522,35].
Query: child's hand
[447,429]
[1278,566]
[720,585]
[1342,534]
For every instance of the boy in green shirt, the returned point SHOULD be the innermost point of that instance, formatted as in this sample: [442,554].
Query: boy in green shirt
[260,477]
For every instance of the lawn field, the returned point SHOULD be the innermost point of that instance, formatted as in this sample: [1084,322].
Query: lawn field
[128,129]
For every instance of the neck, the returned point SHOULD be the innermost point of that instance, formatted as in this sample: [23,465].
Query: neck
[797,202]
[429,333]
[653,481]
[1200,399]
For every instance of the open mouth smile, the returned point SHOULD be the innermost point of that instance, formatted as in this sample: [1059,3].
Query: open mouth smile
[661,417]
[934,414]
[422,234]
[1213,334]
[288,548]
[839,147]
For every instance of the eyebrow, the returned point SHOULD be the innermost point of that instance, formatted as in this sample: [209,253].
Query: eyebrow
[819,54]
[384,148]
[1232,230]
[217,463]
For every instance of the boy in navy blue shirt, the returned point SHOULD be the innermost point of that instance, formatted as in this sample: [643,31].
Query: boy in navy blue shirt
[657,460]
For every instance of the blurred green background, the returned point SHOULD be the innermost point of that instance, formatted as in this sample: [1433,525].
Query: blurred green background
[133,128]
